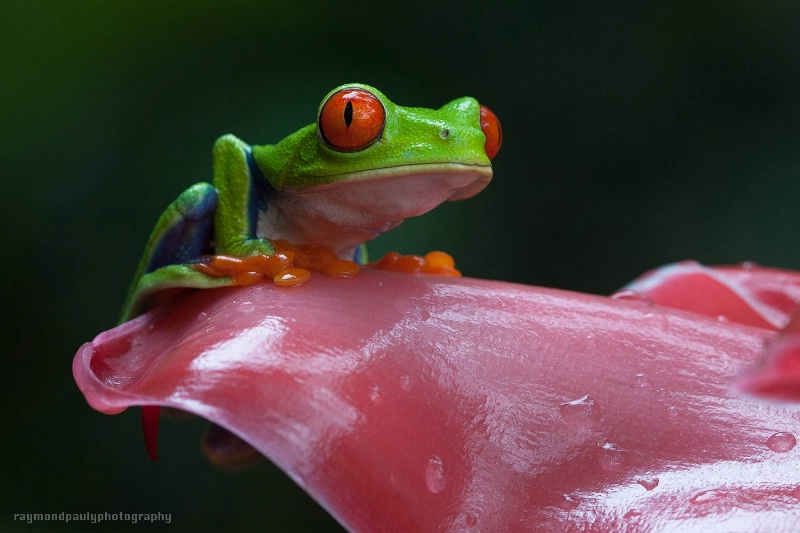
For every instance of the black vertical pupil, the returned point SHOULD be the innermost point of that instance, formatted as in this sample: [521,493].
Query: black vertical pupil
[348,114]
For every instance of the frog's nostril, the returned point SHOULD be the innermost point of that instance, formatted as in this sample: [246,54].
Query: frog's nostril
[490,126]
[444,133]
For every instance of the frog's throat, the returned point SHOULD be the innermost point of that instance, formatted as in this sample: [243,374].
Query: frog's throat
[362,205]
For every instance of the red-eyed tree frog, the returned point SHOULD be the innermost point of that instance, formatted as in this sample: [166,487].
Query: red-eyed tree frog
[359,171]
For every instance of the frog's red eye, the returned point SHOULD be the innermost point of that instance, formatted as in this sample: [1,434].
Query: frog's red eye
[351,119]
[490,126]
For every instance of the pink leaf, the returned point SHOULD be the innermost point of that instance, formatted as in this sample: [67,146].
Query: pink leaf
[417,403]
[747,294]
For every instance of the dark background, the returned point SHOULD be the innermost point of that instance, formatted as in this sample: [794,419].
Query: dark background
[636,134]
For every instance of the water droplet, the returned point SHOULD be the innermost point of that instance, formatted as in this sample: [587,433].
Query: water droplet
[658,319]
[580,414]
[723,319]
[749,265]
[434,474]
[611,457]
[470,520]
[568,503]
[405,382]
[708,496]
[649,483]
[672,411]
[374,393]
[781,442]
[588,345]
[202,316]
[630,295]
[643,381]
[424,314]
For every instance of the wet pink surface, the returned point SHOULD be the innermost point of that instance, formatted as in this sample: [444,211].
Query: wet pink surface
[417,403]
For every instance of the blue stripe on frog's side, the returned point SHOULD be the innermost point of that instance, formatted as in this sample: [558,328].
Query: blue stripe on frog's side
[259,193]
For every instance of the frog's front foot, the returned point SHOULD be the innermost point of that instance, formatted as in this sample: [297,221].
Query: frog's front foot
[286,263]
[248,270]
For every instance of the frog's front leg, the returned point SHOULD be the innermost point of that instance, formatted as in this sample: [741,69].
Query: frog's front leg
[241,197]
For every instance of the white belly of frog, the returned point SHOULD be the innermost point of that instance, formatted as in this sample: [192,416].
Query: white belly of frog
[347,214]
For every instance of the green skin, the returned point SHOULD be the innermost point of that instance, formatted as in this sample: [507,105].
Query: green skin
[315,193]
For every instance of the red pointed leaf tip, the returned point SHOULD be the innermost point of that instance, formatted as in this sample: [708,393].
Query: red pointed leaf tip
[150,415]
[441,403]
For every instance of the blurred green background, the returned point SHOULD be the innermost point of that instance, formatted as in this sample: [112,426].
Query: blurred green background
[636,134]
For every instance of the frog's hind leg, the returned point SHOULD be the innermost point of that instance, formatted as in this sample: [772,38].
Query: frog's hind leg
[183,232]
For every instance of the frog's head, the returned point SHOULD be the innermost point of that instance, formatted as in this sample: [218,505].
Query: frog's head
[367,164]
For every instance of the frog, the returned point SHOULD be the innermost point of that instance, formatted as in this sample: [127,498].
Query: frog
[362,168]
